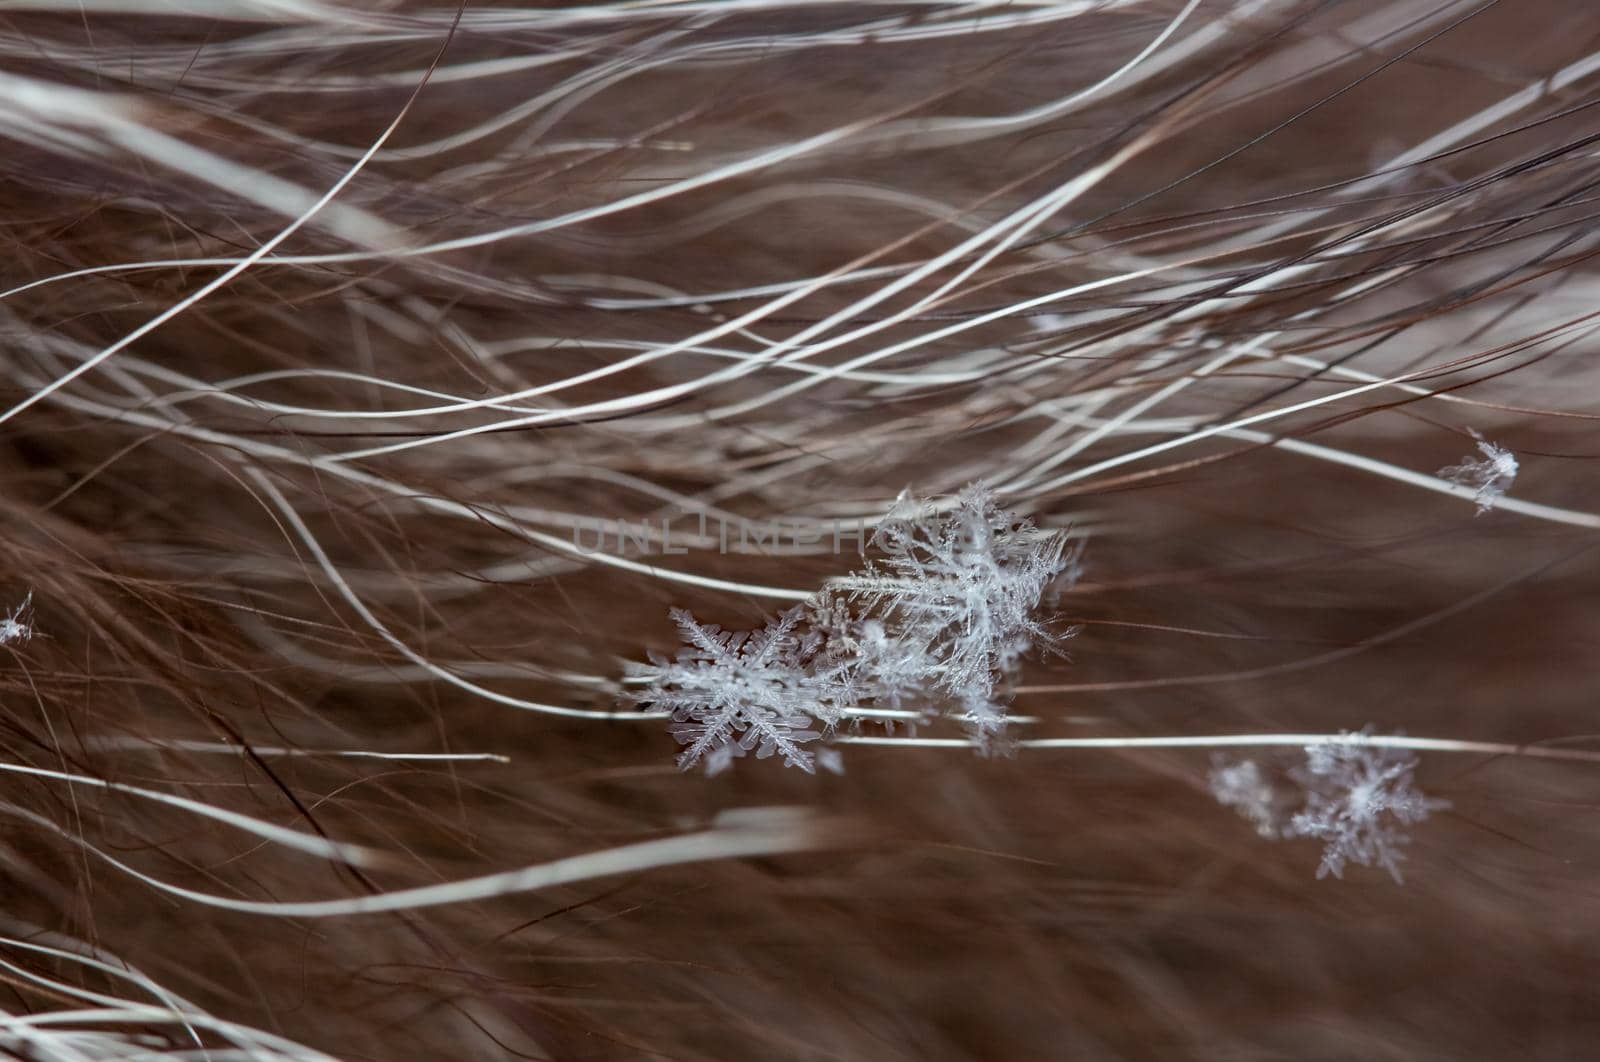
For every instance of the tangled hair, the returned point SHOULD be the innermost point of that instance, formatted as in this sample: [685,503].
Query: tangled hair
[379,375]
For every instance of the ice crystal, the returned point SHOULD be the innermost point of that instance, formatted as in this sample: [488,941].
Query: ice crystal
[1488,477]
[864,662]
[961,587]
[1243,787]
[935,627]
[1359,801]
[17,626]
[733,691]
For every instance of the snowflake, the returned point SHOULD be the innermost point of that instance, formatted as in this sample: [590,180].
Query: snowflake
[959,589]
[1488,477]
[17,627]
[733,691]
[863,661]
[934,628]
[1242,787]
[1358,799]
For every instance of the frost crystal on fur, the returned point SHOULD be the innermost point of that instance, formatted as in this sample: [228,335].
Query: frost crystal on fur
[1359,799]
[1488,477]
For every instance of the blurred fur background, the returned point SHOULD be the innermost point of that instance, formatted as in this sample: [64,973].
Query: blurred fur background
[289,478]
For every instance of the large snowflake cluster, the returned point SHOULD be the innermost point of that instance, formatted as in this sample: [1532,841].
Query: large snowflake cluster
[1358,799]
[936,626]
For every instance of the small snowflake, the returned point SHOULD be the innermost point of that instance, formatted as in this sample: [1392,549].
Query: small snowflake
[17,627]
[1358,801]
[1242,787]
[1488,477]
